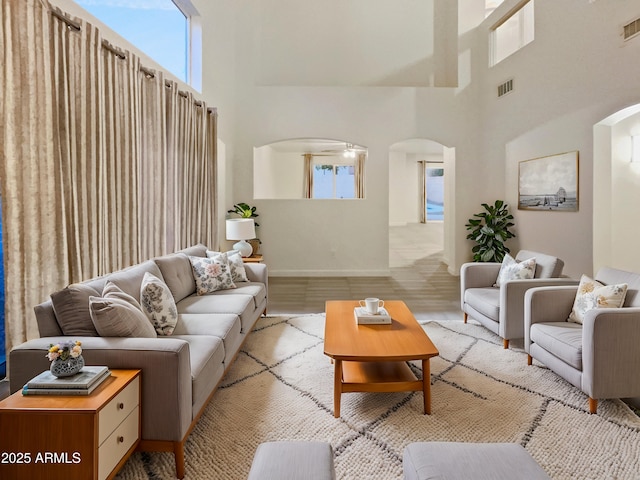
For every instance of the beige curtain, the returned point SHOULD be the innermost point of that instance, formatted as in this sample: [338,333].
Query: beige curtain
[153,176]
[422,179]
[308,176]
[359,175]
[75,54]
[119,167]
[31,205]
[100,167]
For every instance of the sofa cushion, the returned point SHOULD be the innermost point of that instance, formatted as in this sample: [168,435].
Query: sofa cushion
[240,305]
[206,356]
[562,339]
[211,274]
[130,279]
[177,274]
[195,251]
[238,272]
[485,300]
[71,306]
[224,326]
[513,270]
[158,304]
[547,266]
[256,289]
[118,314]
[592,294]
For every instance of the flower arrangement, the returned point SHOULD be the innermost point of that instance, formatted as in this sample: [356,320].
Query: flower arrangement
[64,350]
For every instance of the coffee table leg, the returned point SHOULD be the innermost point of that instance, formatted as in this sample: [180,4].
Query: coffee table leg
[426,386]
[337,388]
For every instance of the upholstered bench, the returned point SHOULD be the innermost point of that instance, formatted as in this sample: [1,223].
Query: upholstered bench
[480,461]
[293,461]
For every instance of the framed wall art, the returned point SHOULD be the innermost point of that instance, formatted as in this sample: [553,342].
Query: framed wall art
[549,183]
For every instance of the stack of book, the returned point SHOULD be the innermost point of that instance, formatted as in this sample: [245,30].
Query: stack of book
[365,318]
[82,383]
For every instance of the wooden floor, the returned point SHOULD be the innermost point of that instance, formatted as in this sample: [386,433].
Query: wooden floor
[418,277]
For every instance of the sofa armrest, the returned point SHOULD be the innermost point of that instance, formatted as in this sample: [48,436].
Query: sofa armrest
[547,304]
[477,275]
[512,293]
[257,272]
[166,375]
[610,353]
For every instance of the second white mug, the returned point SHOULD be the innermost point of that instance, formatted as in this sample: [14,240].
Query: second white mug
[372,305]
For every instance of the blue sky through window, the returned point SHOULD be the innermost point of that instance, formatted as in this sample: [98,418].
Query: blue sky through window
[157,27]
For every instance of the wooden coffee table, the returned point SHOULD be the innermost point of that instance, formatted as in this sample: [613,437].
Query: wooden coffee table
[372,358]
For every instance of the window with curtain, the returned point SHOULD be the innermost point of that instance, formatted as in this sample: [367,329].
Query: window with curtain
[105,162]
[160,28]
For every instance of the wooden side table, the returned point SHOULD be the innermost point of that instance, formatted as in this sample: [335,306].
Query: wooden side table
[252,259]
[71,437]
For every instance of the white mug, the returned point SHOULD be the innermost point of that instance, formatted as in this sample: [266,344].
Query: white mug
[372,305]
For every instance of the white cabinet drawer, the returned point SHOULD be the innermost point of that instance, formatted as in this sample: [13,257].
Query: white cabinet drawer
[114,412]
[117,444]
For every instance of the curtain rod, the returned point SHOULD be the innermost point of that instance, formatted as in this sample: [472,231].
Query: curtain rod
[122,55]
[116,51]
[70,23]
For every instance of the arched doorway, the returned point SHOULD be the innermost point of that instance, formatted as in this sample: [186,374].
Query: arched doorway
[616,190]
[421,180]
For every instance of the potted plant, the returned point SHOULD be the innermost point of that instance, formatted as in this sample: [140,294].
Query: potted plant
[244,210]
[490,230]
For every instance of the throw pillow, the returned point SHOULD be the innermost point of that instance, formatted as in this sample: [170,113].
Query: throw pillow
[211,274]
[118,314]
[71,306]
[513,270]
[238,272]
[158,304]
[593,294]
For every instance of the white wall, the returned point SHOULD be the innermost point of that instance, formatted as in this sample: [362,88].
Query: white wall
[279,175]
[346,42]
[571,76]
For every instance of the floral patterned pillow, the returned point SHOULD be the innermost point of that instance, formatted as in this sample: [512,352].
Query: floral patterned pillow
[238,272]
[592,294]
[158,304]
[211,274]
[513,270]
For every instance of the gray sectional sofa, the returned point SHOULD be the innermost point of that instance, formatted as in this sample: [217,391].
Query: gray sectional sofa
[181,371]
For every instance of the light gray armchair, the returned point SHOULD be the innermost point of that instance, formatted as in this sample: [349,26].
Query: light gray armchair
[600,356]
[501,309]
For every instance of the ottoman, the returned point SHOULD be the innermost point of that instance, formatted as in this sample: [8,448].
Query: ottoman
[293,461]
[478,461]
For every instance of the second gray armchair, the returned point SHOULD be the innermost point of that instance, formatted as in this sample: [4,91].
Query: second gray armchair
[501,308]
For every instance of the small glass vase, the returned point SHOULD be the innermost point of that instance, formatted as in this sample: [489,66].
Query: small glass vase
[68,367]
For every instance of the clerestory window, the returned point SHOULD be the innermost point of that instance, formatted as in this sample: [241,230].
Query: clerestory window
[167,32]
[512,32]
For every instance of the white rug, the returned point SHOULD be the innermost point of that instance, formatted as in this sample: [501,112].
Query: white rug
[281,388]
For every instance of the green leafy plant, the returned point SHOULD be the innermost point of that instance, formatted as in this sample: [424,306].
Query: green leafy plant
[490,230]
[244,211]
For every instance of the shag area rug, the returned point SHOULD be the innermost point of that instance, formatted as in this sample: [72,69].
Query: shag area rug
[281,388]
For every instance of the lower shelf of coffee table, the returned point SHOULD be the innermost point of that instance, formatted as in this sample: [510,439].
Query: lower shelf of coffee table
[378,377]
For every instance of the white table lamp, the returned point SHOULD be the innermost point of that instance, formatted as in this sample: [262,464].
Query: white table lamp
[242,229]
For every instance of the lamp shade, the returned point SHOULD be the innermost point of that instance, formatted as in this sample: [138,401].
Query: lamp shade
[241,229]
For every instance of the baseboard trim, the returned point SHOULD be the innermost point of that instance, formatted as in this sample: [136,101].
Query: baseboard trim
[330,273]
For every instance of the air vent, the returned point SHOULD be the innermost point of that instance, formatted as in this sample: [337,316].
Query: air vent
[631,29]
[505,88]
